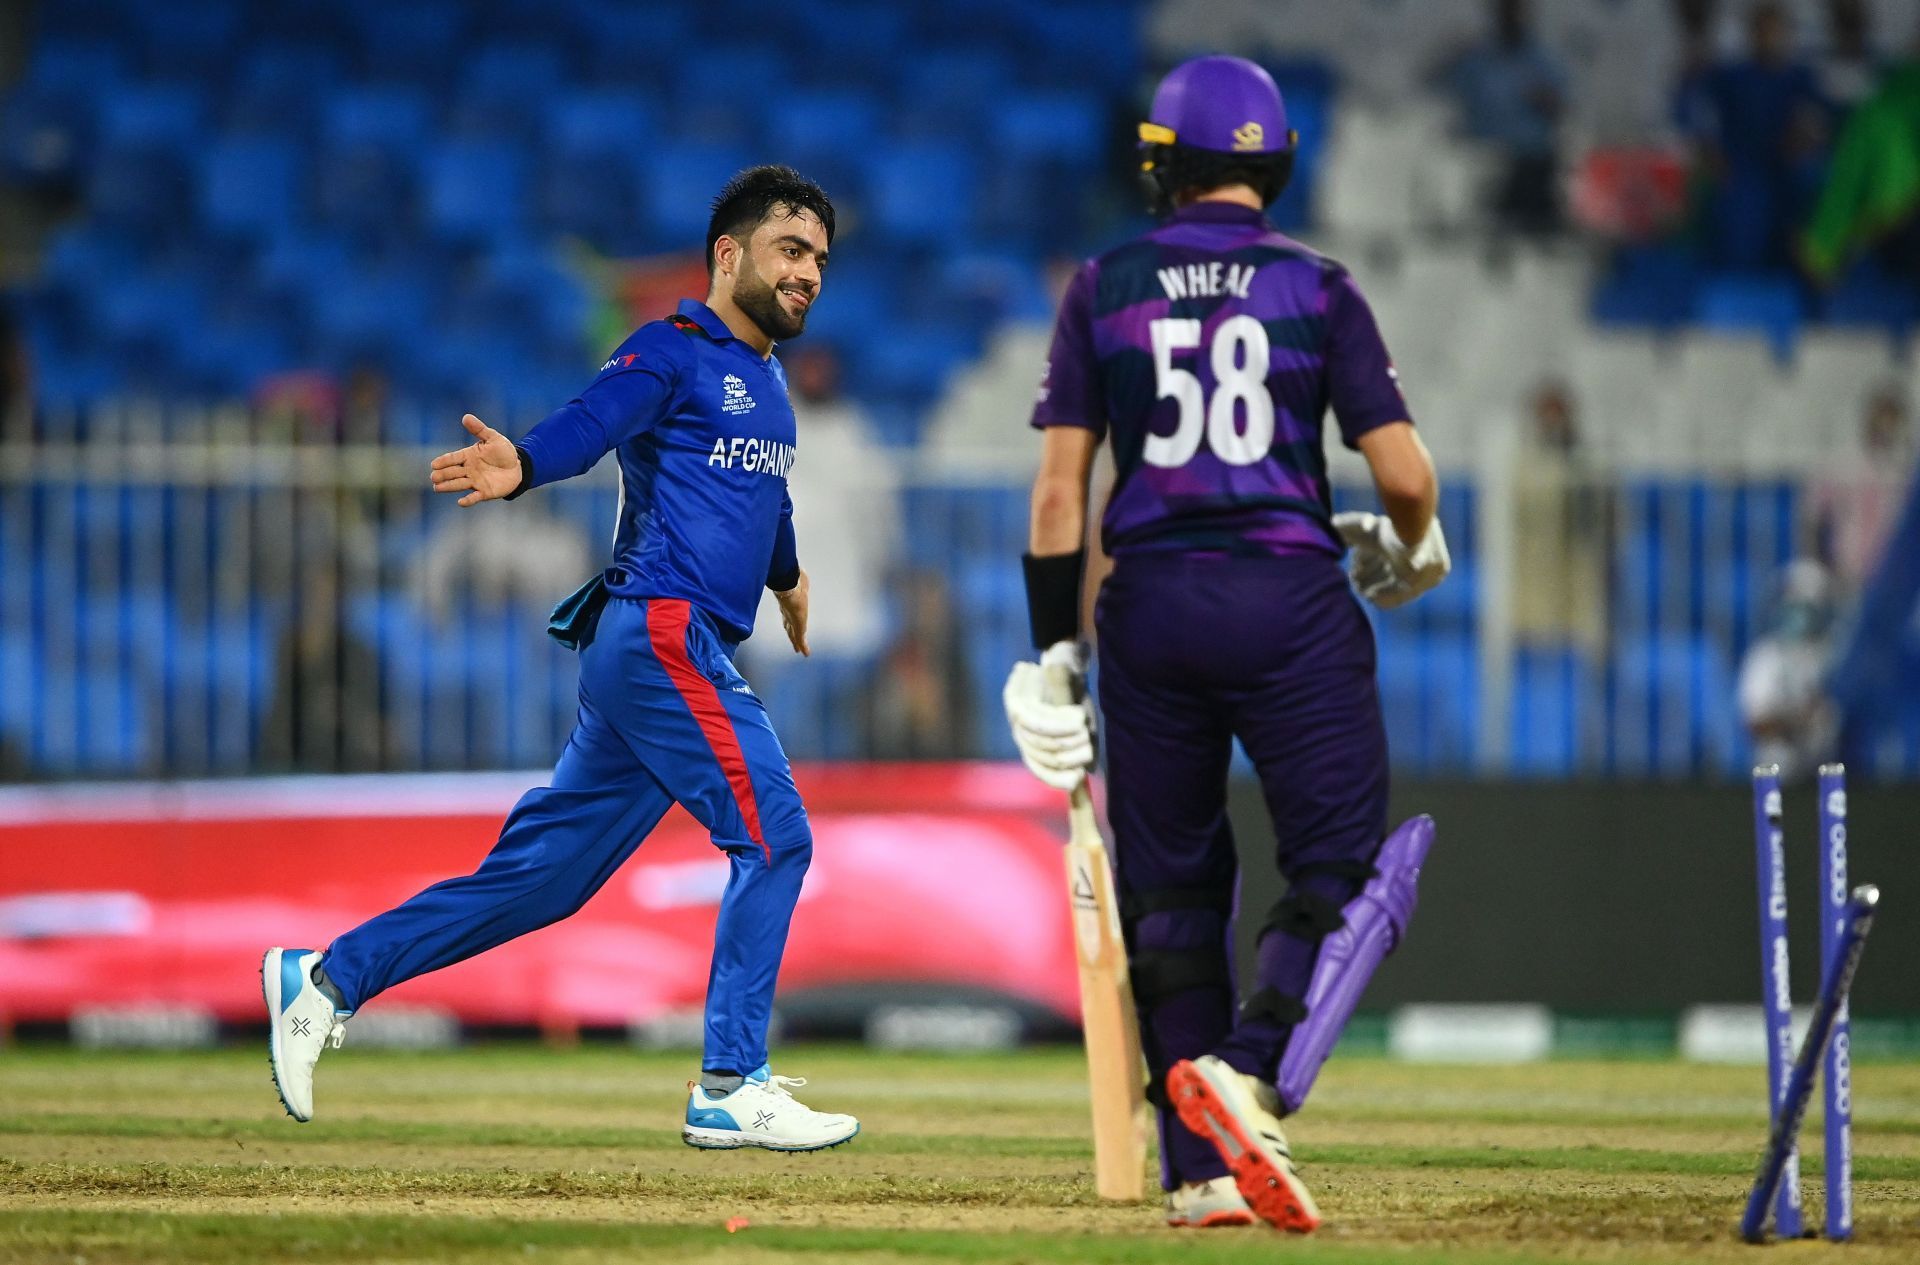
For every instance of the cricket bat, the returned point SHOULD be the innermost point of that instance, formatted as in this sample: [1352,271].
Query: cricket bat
[1108,1021]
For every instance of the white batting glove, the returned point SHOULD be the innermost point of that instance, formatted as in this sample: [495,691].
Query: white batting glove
[1386,572]
[1051,716]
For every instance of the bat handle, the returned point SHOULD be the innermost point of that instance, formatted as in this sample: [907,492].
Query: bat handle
[1080,809]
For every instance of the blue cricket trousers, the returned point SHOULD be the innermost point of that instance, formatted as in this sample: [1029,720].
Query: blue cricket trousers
[664,718]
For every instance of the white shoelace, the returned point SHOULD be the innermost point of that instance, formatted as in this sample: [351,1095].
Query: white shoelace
[783,1085]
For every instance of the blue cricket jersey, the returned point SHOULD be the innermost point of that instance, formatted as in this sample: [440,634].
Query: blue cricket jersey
[705,437]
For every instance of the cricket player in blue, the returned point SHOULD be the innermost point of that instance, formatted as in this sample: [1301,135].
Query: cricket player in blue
[695,409]
[1208,352]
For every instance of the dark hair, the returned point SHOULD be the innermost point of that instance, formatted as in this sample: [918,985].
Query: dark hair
[1171,170]
[747,200]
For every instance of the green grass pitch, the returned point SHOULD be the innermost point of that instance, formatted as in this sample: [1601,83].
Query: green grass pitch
[519,1153]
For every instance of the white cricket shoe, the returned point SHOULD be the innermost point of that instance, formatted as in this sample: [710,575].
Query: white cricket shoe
[763,1113]
[300,1022]
[1240,1115]
[1206,1205]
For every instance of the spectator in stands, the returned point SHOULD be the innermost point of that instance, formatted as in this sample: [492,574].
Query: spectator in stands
[1697,20]
[1855,509]
[1511,92]
[16,380]
[1871,198]
[1783,693]
[532,559]
[326,715]
[922,702]
[1558,597]
[846,490]
[1849,67]
[1759,126]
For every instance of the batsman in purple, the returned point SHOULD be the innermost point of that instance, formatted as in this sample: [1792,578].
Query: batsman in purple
[1207,353]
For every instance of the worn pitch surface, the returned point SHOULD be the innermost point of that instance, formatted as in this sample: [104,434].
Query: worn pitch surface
[520,1153]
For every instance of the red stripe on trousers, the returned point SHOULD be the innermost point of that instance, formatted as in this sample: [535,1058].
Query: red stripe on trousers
[667,629]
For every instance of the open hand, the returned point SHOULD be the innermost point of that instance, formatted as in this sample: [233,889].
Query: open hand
[486,470]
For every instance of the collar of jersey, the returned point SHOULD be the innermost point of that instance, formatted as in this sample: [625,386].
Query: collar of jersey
[703,316]
[1219,213]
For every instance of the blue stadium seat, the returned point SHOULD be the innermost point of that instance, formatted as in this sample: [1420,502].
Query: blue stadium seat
[593,145]
[412,43]
[593,197]
[466,362]
[84,254]
[251,188]
[856,302]
[1079,45]
[185,39]
[526,290]
[503,89]
[856,38]
[1308,113]
[222,669]
[141,319]
[1768,305]
[390,117]
[922,192]
[374,316]
[1866,296]
[474,192]
[103,726]
[597,122]
[626,44]
[1065,127]
[67,378]
[282,87]
[1649,285]
[944,89]
[137,191]
[45,137]
[68,64]
[912,362]
[229,359]
[822,122]
[298,264]
[679,183]
[984,287]
[158,116]
[1682,688]
[1447,694]
[1553,691]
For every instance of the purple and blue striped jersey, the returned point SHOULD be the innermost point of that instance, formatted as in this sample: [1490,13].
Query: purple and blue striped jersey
[1209,351]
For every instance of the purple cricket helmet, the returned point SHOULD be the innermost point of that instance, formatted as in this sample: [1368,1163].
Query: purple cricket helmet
[1213,114]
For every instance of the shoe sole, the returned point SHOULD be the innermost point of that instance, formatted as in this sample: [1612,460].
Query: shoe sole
[1274,1194]
[714,1140]
[1213,1221]
[269,985]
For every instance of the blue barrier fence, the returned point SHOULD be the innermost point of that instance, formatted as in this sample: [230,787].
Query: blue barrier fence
[228,605]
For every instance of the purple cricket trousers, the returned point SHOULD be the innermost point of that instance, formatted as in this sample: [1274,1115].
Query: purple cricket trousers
[1195,651]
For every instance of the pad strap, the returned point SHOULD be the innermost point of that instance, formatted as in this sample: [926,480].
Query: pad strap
[1307,915]
[1270,1005]
[1137,905]
[1162,973]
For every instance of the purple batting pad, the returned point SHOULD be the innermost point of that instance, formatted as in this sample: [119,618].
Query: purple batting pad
[1376,920]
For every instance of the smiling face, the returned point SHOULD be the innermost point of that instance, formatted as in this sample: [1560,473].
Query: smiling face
[776,274]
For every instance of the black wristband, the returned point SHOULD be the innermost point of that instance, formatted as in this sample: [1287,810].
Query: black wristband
[526,474]
[1053,596]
